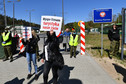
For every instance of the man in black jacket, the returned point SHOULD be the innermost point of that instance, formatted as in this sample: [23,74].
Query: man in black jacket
[114,37]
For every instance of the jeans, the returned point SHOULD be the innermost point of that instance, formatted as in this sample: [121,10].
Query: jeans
[31,57]
[47,67]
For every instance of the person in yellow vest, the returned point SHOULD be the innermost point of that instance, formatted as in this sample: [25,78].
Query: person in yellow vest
[73,44]
[6,43]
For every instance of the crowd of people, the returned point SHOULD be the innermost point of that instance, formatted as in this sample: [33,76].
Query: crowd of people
[51,56]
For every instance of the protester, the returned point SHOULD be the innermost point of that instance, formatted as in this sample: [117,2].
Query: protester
[53,58]
[60,38]
[67,34]
[31,53]
[114,37]
[17,37]
[37,48]
[73,44]
[7,43]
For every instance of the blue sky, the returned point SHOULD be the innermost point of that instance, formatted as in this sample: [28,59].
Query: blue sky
[75,10]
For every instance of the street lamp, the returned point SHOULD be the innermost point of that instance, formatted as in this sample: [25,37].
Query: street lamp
[13,1]
[30,15]
[5,13]
[63,15]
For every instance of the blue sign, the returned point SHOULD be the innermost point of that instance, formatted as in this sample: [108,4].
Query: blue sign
[102,15]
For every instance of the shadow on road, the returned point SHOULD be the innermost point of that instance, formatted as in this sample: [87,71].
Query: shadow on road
[15,81]
[40,71]
[64,76]
[121,70]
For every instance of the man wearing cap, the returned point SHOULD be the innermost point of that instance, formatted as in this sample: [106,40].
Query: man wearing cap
[114,37]
[73,44]
[6,43]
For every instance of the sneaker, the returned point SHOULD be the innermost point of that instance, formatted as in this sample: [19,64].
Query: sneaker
[29,76]
[36,77]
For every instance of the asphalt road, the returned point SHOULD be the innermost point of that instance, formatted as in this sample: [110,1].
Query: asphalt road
[80,70]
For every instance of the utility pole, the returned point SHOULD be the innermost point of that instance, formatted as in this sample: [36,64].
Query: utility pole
[14,9]
[5,19]
[63,15]
[13,14]
[30,15]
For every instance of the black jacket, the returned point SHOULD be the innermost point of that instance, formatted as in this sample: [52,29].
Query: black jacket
[54,55]
[53,47]
[30,45]
[113,35]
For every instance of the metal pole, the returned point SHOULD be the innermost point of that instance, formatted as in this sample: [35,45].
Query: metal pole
[63,15]
[30,17]
[5,14]
[102,39]
[123,30]
[13,13]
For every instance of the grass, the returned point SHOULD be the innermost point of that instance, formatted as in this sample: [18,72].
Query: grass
[93,46]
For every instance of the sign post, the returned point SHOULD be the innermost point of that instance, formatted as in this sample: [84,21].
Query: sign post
[123,31]
[102,39]
[82,33]
[102,16]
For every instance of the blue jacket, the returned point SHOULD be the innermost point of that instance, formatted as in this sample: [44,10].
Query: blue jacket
[66,33]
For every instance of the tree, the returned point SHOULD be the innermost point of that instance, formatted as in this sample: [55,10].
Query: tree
[119,18]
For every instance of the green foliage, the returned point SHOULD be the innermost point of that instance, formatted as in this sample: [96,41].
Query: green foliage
[17,22]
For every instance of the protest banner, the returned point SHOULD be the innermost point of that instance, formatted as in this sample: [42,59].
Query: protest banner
[26,32]
[51,23]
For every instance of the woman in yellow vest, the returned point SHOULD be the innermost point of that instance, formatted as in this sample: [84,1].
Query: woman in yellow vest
[73,44]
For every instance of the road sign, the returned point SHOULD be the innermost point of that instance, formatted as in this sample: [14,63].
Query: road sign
[51,23]
[102,15]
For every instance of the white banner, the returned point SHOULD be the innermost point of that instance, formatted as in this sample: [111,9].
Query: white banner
[26,31]
[51,23]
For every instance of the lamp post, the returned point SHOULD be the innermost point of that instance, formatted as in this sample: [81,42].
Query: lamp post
[30,15]
[13,1]
[5,13]
[63,15]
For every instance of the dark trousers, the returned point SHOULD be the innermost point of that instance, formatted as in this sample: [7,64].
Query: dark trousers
[114,48]
[73,50]
[47,67]
[64,45]
[37,51]
[8,52]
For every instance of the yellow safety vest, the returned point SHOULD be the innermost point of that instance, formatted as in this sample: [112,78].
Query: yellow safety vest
[5,38]
[73,42]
